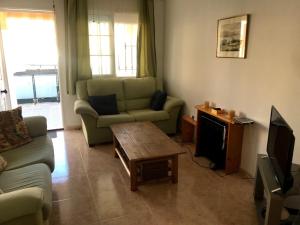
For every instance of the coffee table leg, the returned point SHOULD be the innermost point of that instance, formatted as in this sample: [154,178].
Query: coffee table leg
[115,145]
[175,169]
[133,176]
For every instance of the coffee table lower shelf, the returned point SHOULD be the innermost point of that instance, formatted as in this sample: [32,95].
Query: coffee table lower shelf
[143,170]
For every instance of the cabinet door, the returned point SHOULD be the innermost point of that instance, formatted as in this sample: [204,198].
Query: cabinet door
[234,147]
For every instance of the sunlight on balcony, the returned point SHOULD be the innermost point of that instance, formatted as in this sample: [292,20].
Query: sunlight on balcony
[29,41]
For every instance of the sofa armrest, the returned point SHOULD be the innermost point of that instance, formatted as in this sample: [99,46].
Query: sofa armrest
[171,103]
[37,125]
[83,107]
[20,203]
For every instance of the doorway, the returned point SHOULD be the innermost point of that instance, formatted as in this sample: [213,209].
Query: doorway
[30,57]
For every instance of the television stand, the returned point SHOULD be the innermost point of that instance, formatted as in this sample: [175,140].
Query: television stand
[273,199]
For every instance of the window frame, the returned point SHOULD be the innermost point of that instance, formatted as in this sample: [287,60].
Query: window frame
[111,20]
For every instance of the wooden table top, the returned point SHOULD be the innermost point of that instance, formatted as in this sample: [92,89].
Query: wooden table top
[144,140]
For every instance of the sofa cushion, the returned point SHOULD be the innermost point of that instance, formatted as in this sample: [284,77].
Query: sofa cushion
[107,120]
[13,130]
[138,92]
[40,150]
[3,163]
[137,104]
[105,104]
[108,86]
[37,175]
[158,100]
[149,115]
[139,87]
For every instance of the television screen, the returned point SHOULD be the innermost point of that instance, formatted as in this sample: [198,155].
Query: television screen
[280,149]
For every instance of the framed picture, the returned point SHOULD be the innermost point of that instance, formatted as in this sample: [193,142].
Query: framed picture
[232,37]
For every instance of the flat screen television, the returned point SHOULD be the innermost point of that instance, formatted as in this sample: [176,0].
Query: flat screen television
[280,149]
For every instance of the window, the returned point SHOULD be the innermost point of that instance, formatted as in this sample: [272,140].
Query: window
[101,46]
[113,44]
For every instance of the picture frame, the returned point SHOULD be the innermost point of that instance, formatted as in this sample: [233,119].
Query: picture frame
[232,35]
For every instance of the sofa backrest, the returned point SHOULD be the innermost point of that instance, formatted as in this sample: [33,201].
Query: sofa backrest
[104,86]
[132,93]
[138,92]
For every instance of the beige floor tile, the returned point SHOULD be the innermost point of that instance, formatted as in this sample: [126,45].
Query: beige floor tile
[90,186]
[70,187]
[112,197]
[71,211]
[138,218]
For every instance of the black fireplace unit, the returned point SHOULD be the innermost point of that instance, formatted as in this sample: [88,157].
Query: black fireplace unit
[212,141]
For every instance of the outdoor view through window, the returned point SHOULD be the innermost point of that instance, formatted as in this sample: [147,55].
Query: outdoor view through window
[113,44]
[30,52]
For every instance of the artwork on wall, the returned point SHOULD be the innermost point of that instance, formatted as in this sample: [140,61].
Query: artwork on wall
[232,37]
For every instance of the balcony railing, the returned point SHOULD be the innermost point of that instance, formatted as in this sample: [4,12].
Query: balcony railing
[38,83]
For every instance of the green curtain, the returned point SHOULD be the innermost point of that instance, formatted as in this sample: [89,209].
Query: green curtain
[146,53]
[77,43]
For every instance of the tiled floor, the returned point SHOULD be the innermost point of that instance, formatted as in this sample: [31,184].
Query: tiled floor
[90,187]
[50,110]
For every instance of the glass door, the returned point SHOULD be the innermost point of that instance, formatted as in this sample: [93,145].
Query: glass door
[30,50]
[4,97]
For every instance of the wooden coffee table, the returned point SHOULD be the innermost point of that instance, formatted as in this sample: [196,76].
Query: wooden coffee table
[142,143]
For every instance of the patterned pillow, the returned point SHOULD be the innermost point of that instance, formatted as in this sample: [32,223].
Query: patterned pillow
[3,163]
[13,130]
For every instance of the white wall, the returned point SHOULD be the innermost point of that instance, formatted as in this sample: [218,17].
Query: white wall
[159,14]
[269,75]
[70,119]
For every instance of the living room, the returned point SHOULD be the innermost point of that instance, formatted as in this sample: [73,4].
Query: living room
[90,186]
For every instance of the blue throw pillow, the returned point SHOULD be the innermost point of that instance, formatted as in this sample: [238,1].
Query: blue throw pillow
[158,100]
[105,104]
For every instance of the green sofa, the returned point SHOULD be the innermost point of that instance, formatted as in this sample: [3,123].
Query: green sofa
[26,181]
[133,100]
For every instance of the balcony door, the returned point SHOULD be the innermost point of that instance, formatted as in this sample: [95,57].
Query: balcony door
[4,97]
[30,61]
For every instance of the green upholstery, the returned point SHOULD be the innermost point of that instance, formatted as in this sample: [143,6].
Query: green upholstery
[40,150]
[149,115]
[172,103]
[107,87]
[134,96]
[27,190]
[26,181]
[139,88]
[107,120]
[84,108]
[27,201]
[138,92]
[37,125]
[140,103]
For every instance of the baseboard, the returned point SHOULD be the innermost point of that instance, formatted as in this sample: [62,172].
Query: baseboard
[247,174]
[76,127]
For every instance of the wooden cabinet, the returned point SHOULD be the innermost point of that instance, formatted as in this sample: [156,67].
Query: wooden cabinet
[188,125]
[234,137]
